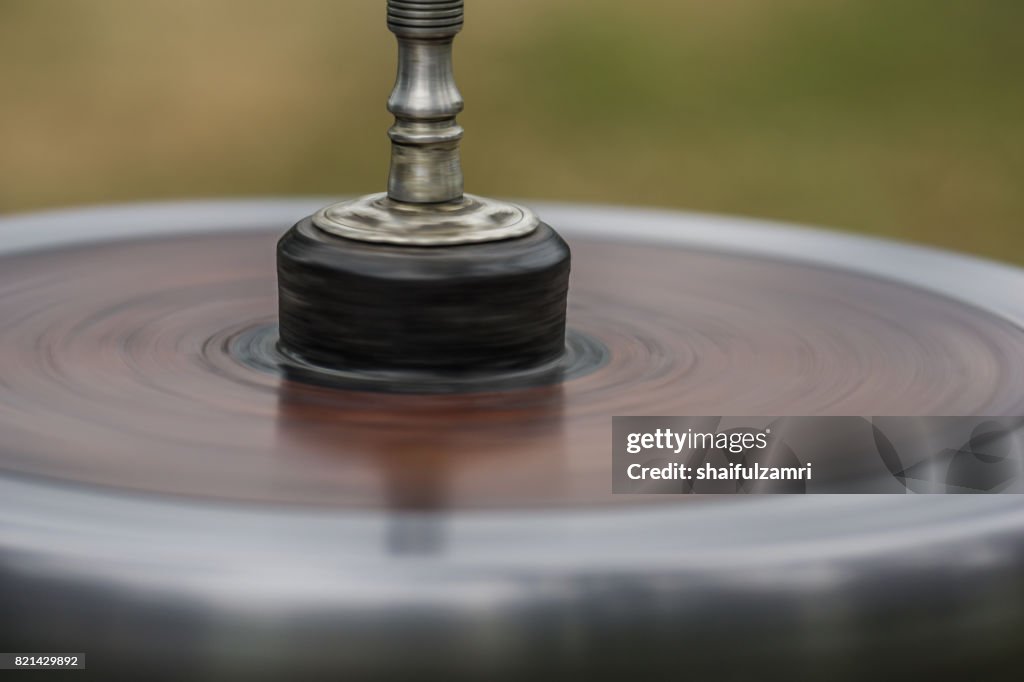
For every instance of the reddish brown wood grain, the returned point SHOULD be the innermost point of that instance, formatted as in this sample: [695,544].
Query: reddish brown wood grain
[116,372]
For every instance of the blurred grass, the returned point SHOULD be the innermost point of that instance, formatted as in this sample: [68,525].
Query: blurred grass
[902,118]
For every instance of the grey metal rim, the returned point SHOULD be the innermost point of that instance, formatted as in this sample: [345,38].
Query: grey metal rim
[244,557]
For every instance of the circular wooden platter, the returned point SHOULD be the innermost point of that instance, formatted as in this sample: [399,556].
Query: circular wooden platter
[126,369]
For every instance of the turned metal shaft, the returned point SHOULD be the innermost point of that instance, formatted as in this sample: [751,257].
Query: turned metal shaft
[425,163]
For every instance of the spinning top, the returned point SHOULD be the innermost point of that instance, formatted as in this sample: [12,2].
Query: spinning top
[425,281]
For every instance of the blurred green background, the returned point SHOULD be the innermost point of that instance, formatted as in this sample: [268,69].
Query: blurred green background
[902,118]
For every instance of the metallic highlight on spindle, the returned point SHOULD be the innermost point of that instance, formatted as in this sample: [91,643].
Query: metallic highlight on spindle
[425,204]
[425,164]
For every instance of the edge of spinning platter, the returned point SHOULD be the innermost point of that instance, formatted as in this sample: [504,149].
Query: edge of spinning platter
[510,588]
[686,561]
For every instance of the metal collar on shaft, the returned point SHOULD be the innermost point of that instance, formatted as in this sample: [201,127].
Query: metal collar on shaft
[425,204]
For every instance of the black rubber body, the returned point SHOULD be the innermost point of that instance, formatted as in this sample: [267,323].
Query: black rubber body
[467,309]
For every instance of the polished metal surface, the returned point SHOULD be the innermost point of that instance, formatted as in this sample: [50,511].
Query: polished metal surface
[425,204]
[425,163]
[471,219]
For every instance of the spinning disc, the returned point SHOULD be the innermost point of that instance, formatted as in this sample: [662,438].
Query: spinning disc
[141,394]
[148,365]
